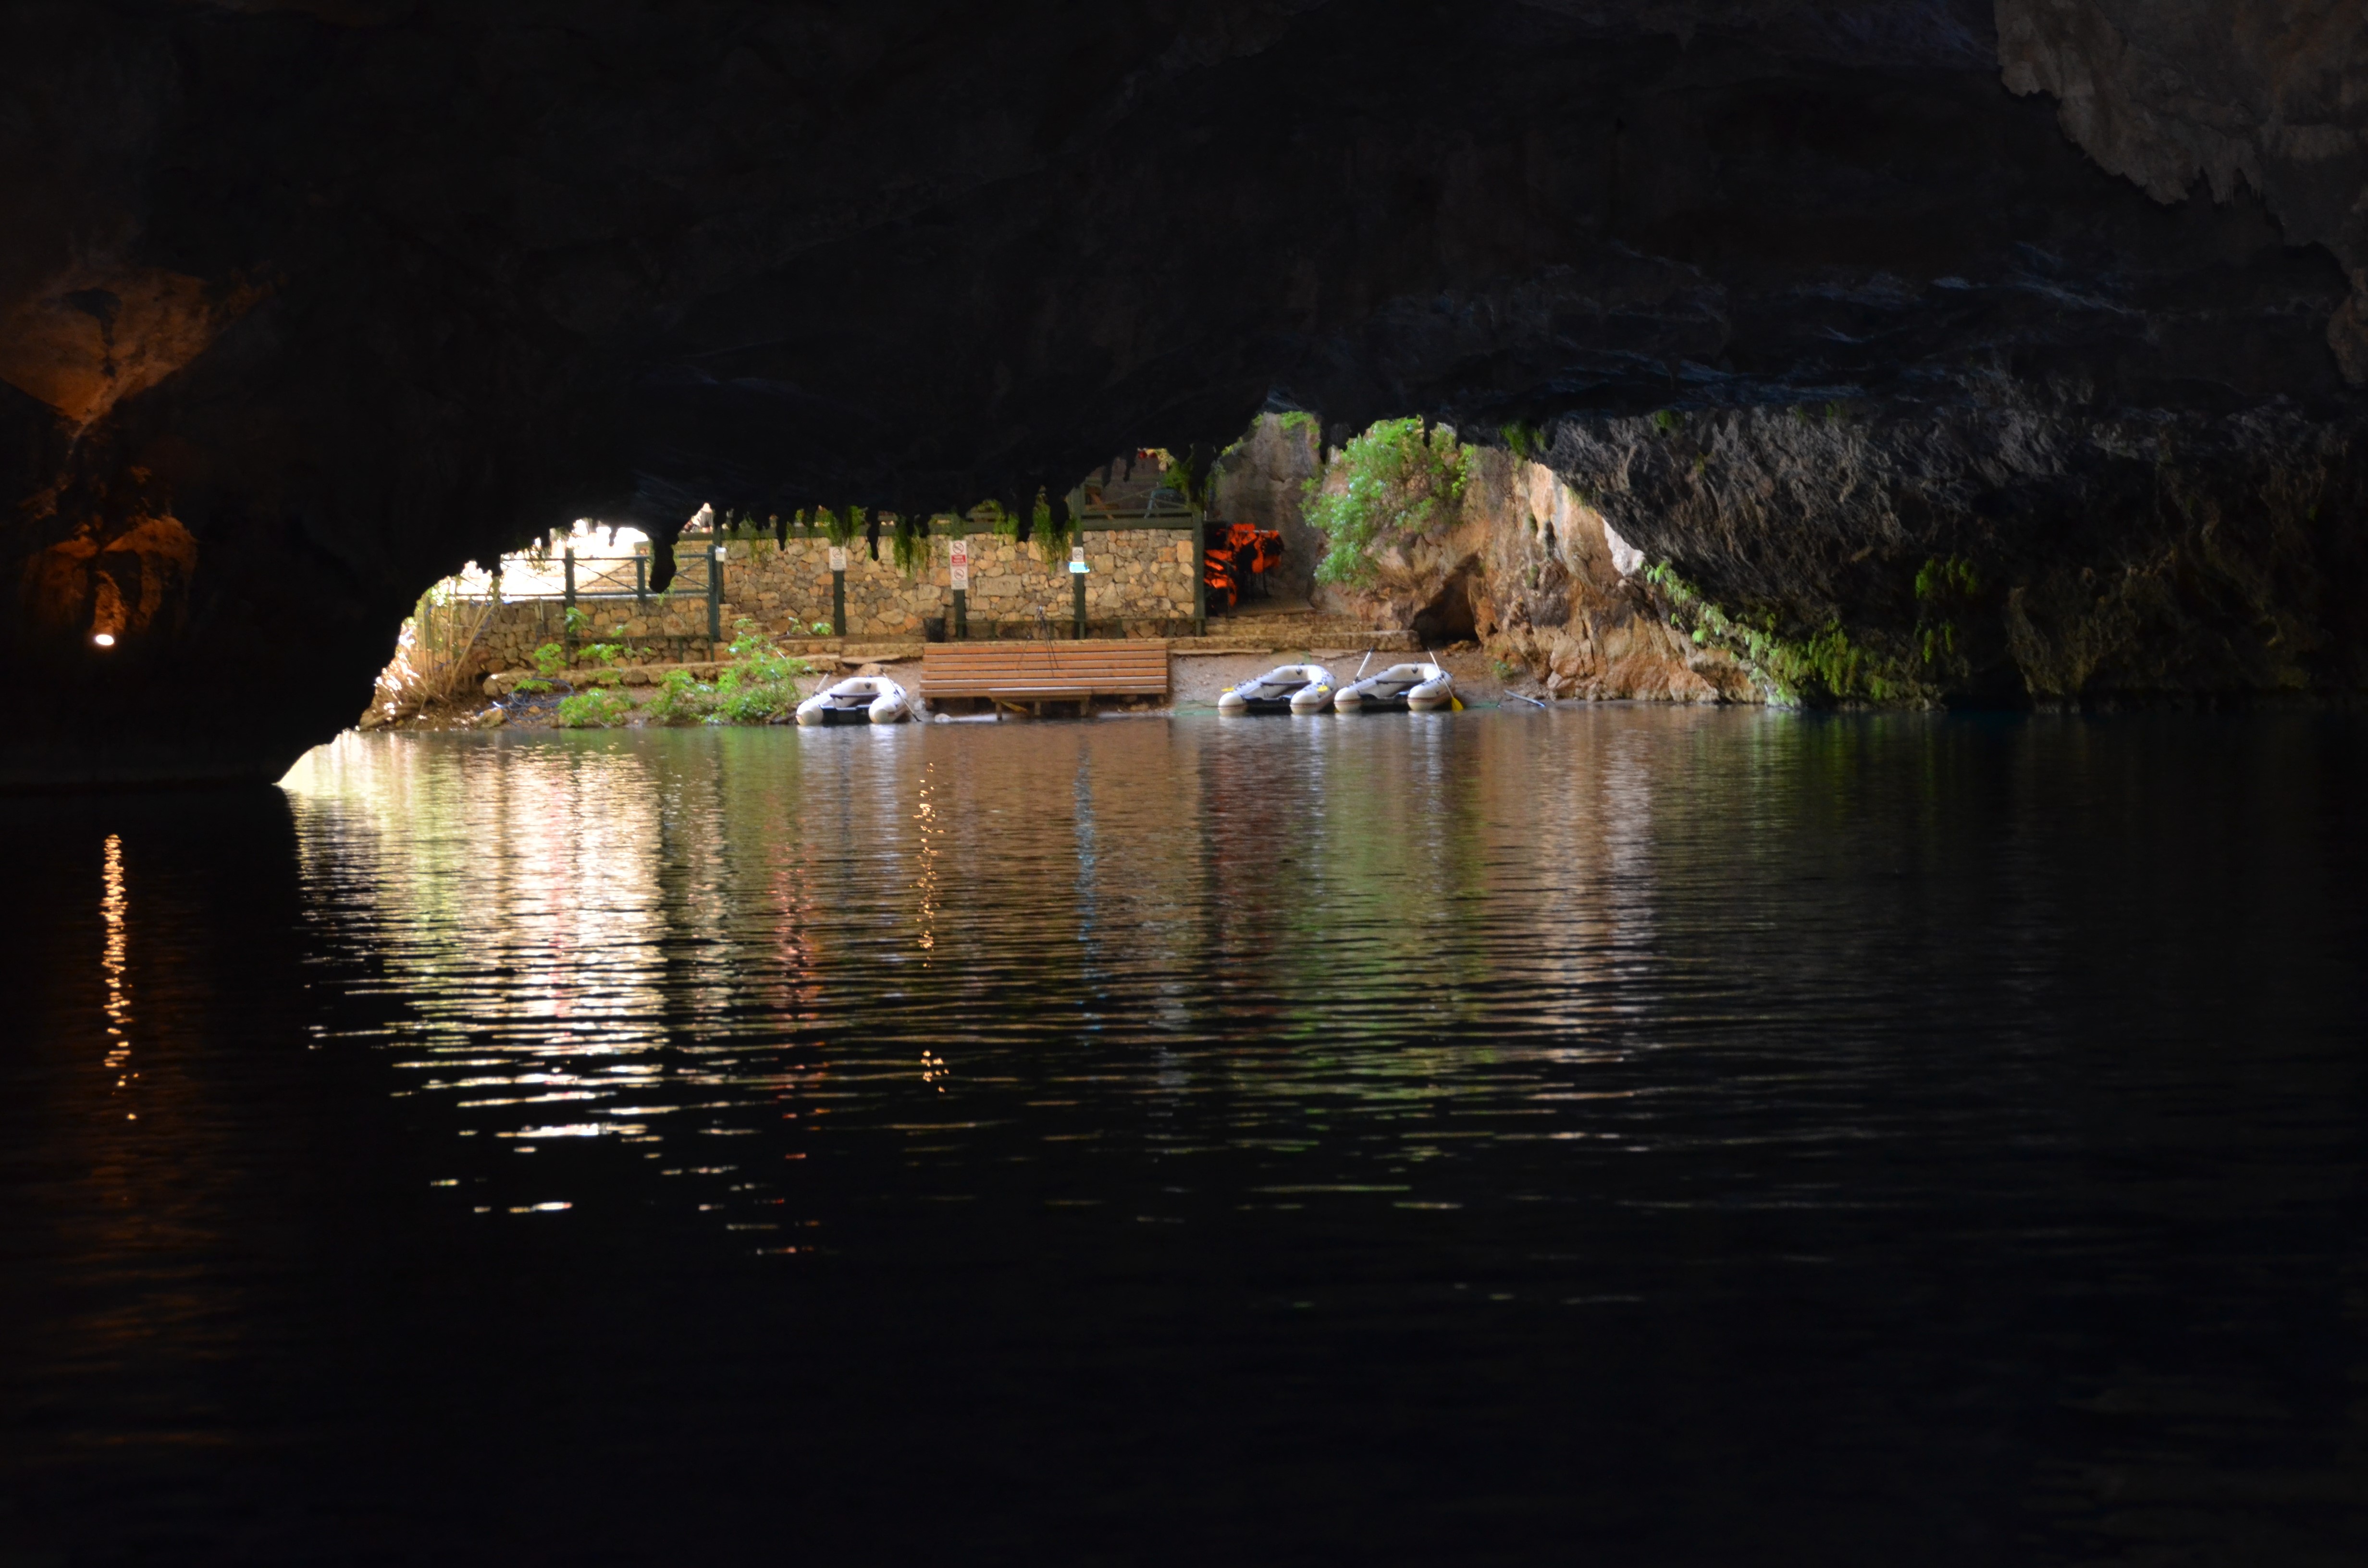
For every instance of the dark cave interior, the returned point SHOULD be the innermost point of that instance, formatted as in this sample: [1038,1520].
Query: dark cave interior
[307,303]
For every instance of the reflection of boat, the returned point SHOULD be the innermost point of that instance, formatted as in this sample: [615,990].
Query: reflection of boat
[859,699]
[1421,688]
[1301,688]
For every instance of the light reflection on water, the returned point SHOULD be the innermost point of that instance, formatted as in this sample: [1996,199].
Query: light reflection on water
[1861,1138]
[662,938]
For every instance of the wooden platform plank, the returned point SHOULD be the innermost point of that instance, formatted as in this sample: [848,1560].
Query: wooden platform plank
[1045,670]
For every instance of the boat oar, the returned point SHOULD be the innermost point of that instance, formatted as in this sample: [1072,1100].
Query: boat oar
[1454,704]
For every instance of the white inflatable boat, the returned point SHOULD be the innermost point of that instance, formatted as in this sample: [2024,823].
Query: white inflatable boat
[860,699]
[1298,688]
[1420,688]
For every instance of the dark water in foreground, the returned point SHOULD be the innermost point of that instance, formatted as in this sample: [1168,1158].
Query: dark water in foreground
[1605,1135]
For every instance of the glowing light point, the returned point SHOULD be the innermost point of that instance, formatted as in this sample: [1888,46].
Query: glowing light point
[104,639]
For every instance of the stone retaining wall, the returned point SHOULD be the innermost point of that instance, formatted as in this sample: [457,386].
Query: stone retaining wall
[1140,586]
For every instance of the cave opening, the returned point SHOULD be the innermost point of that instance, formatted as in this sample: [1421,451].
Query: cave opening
[1448,616]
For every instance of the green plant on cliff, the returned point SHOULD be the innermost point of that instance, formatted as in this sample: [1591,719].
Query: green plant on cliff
[1667,421]
[1396,479]
[1945,586]
[1824,666]
[1525,441]
[1943,577]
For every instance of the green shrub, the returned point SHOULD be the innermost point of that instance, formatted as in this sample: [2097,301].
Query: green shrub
[596,709]
[758,686]
[1399,479]
[682,699]
[1667,421]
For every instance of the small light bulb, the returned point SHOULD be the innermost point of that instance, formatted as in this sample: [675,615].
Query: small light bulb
[105,639]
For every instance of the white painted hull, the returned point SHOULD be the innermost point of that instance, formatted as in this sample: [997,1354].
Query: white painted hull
[860,699]
[1418,688]
[1286,689]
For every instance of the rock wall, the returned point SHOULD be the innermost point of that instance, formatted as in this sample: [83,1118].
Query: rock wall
[1140,586]
[1261,480]
[2014,554]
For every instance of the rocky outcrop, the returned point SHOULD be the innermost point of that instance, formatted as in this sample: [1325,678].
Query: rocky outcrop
[1534,575]
[2014,554]
[303,304]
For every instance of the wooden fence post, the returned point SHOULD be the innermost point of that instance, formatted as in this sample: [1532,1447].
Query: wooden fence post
[1200,574]
[838,590]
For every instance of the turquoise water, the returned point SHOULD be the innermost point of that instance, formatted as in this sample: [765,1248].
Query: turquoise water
[1646,1136]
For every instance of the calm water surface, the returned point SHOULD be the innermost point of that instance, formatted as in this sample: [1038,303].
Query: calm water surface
[1604,1135]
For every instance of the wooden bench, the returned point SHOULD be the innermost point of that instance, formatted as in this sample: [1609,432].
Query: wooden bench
[1034,672]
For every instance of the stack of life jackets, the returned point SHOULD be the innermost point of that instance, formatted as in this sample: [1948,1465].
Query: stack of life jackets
[1236,553]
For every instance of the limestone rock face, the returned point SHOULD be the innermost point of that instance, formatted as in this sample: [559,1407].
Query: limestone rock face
[2271,98]
[1531,572]
[303,304]
[2015,554]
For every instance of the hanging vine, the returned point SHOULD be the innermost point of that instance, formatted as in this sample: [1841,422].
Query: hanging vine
[908,544]
[1053,530]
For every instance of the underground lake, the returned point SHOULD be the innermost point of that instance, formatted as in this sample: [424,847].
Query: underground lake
[1612,1133]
